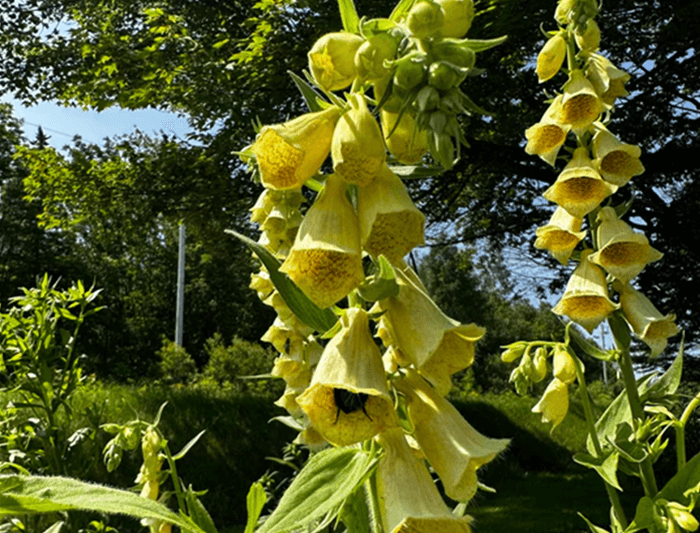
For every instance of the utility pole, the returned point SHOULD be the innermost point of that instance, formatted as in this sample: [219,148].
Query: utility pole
[180,302]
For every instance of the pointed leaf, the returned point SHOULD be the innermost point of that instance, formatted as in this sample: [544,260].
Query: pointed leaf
[56,528]
[582,344]
[400,10]
[680,487]
[254,503]
[381,285]
[592,527]
[348,14]
[198,513]
[669,382]
[605,466]
[646,517]
[479,45]
[186,447]
[355,514]
[323,485]
[311,97]
[300,304]
[371,27]
[413,172]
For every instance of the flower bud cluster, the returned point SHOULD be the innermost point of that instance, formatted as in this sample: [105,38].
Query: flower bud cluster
[600,164]
[149,477]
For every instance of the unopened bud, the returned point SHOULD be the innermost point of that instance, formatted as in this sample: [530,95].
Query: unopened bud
[551,57]
[410,71]
[332,60]
[453,52]
[443,75]
[590,38]
[425,18]
[513,352]
[564,365]
[371,55]
[539,363]
[427,99]
[459,15]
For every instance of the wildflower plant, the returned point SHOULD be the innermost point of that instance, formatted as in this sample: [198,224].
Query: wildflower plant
[587,227]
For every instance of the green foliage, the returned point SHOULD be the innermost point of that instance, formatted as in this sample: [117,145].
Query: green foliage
[175,365]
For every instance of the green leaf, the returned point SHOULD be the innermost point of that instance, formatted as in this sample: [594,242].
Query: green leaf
[371,27]
[647,517]
[479,45]
[37,494]
[680,486]
[55,528]
[186,447]
[592,527]
[311,97]
[413,172]
[605,466]
[355,514]
[400,10]
[254,503]
[348,13]
[381,285]
[669,382]
[324,484]
[198,512]
[620,330]
[582,344]
[300,304]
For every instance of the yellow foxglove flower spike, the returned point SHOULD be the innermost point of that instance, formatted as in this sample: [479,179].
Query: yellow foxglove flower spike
[561,235]
[554,403]
[647,322]
[357,149]
[406,143]
[608,80]
[453,448]
[580,105]
[547,136]
[289,154]
[616,161]
[408,498]
[622,252]
[325,261]
[585,299]
[551,57]
[332,60]
[579,188]
[351,363]
[390,223]
[435,344]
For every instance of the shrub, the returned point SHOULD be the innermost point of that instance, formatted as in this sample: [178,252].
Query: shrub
[175,365]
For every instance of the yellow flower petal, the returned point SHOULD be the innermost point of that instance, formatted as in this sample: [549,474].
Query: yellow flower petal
[561,235]
[332,60]
[616,161]
[547,136]
[581,105]
[551,57]
[554,403]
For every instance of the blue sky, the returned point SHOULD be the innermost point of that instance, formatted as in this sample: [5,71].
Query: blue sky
[62,123]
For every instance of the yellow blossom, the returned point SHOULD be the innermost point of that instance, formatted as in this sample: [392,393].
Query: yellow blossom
[390,223]
[289,154]
[589,39]
[453,448]
[647,322]
[561,235]
[409,501]
[579,188]
[547,136]
[554,403]
[357,148]
[580,105]
[332,60]
[564,366]
[551,57]
[351,363]
[585,299]
[406,142]
[622,252]
[616,161]
[325,261]
[608,80]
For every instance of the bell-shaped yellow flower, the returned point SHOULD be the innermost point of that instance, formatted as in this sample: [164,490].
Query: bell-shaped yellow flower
[608,80]
[289,154]
[453,448]
[295,364]
[616,161]
[561,235]
[459,15]
[585,299]
[348,400]
[564,10]
[648,323]
[325,261]
[435,344]
[261,283]
[409,501]
[590,38]
[332,60]
[580,106]
[547,136]
[554,403]
[406,142]
[564,366]
[623,253]
[551,57]
[579,188]
[358,146]
[390,223]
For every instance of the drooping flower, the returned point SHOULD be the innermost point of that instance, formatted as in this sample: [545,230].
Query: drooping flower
[580,105]
[564,366]
[579,188]
[554,403]
[561,235]
[435,344]
[616,161]
[459,15]
[452,446]
[289,154]
[405,141]
[622,252]
[608,80]
[547,136]
[585,299]
[390,223]
[551,57]
[348,400]
[357,148]
[647,322]
[332,60]
[408,498]
[325,261]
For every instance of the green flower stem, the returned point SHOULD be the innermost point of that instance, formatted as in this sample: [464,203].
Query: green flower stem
[176,479]
[646,469]
[680,430]
[590,422]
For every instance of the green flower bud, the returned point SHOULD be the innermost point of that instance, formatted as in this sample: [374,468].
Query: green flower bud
[410,71]
[370,56]
[425,18]
[452,51]
[539,363]
[513,352]
[451,102]
[443,75]
[427,99]
[459,15]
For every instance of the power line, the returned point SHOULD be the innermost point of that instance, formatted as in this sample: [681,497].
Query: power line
[50,129]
